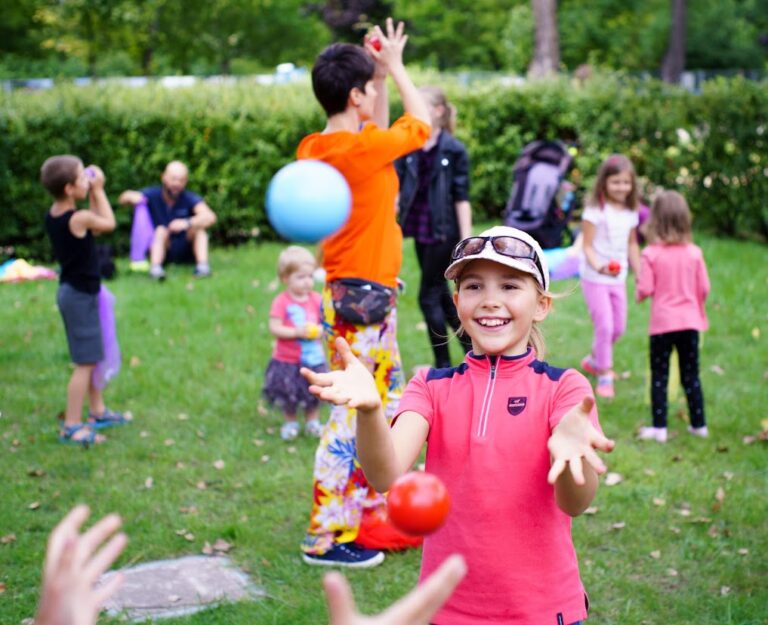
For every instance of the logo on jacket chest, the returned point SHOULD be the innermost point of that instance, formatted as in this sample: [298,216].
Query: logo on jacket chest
[515,405]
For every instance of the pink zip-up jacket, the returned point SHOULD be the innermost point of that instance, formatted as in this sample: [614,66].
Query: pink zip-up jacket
[675,276]
[489,422]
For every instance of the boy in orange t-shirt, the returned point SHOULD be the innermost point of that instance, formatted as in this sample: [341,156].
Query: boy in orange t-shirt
[362,261]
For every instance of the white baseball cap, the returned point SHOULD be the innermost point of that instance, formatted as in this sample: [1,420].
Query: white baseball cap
[521,251]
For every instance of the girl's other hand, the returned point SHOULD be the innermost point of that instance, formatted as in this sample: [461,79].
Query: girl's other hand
[96,176]
[353,386]
[392,44]
[575,440]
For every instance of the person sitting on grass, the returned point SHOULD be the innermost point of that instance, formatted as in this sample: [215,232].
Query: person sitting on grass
[181,220]
[72,236]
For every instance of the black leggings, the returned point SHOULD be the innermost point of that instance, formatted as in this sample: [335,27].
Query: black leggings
[435,299]
[686,342]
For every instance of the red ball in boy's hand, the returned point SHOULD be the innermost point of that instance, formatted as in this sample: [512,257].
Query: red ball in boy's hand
[418,503]
[375,42]
[614,266]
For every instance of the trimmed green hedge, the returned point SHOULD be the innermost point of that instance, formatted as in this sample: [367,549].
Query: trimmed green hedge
[711,146]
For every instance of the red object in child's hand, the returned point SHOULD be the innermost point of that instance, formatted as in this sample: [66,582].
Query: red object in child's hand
[418,503]
[614,266]
[375,42]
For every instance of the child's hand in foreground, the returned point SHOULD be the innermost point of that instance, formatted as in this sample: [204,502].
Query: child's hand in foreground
[416,608]
[574,440]
[73,564]
[352,386]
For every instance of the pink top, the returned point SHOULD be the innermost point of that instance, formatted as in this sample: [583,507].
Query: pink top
[675,276]
[489,423]
[294,314]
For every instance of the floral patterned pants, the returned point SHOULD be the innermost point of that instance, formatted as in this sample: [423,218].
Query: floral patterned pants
[340,491]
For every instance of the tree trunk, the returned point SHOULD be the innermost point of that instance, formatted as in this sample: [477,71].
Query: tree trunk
[674,60]
[546,56]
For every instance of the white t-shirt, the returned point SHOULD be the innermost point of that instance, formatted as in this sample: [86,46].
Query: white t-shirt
[613,225]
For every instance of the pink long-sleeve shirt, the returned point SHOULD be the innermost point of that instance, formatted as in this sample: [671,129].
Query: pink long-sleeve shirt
[675,276]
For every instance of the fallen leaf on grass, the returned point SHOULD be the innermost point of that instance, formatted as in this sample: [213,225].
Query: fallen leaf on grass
[620,525]
[649,472]
[250,310]
[722,449]
[625,375]
[656,554]
[218,465]
[188,536]
[291,450]
[421,326]
[717,369]
[258,442]
[591,510]
[748,440]
[190,286]
[672,572]
[677,458]
[35,473]
[264,459]
[143,434]
[201,485]
[168,442]
[684,512]
[220,546]
[180,465]
[725,590]
[149,482]
[7,539]
[674,530]
[755,333]
[2,588]
[183,416]
[135,361]
[713,532]
[188,510]
[728,475]
[611,479]
[34,505]
[272,286]
[659,501]
[743,551]
[262,410]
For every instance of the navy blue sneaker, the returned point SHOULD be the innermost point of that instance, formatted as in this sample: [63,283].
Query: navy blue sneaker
[349,555]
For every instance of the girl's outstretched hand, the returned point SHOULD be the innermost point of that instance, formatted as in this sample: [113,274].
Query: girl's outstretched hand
[415,608]
[352,386]
[574,440]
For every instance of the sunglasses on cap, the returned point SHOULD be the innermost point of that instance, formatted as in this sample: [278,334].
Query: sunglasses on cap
[509,246]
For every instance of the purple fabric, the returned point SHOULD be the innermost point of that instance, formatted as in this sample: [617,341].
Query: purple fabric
[142,231]
[108,368]
[419,222]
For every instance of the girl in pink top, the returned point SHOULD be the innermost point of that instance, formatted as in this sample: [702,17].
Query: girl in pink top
[294,320]
[513,438]
[673,273]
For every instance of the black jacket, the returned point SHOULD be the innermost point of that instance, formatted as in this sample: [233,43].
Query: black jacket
[449,184]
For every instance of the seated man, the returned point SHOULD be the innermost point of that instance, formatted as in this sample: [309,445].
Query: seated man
[180,218]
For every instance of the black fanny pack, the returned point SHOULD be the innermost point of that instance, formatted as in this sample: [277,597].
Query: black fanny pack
[362,301]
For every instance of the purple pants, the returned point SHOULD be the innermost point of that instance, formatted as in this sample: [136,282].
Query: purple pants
[607,305]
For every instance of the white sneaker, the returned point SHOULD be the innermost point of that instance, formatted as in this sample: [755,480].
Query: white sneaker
[289,430]
[653,434]
[313,428]
[701,432]
[156,272]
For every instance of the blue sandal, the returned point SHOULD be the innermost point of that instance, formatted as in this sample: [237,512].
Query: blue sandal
[109,418]
[68,431]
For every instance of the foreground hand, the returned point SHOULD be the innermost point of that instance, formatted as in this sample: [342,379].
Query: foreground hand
[352,386]
[574,439]
[415,608]
[178,225]
[73,566]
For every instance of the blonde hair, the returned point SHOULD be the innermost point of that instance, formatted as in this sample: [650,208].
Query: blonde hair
[291,258]
[614,164]
[436,97]
[670,220]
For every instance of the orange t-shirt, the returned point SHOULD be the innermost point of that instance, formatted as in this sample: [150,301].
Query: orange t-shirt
[370,244]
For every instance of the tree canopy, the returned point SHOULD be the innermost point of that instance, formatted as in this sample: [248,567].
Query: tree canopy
[151,37]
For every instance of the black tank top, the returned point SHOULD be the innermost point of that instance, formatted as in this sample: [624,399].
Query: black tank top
[77,257]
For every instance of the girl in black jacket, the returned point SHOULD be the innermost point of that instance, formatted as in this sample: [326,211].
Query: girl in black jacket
[434,209]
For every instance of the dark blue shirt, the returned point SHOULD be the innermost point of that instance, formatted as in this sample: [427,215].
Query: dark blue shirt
[161,213]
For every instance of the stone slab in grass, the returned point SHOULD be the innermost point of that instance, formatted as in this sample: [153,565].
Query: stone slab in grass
[168,588]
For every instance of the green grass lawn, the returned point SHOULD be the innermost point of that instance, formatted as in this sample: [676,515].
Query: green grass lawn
[680,540]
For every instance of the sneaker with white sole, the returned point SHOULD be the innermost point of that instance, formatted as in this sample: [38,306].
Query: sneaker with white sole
[313,428]
[588,366]
[349,555]
[289,430]
[701,432]
[604,386]
[156,272]
[653,434]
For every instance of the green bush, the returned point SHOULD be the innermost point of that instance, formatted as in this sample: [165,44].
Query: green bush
[711,146]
